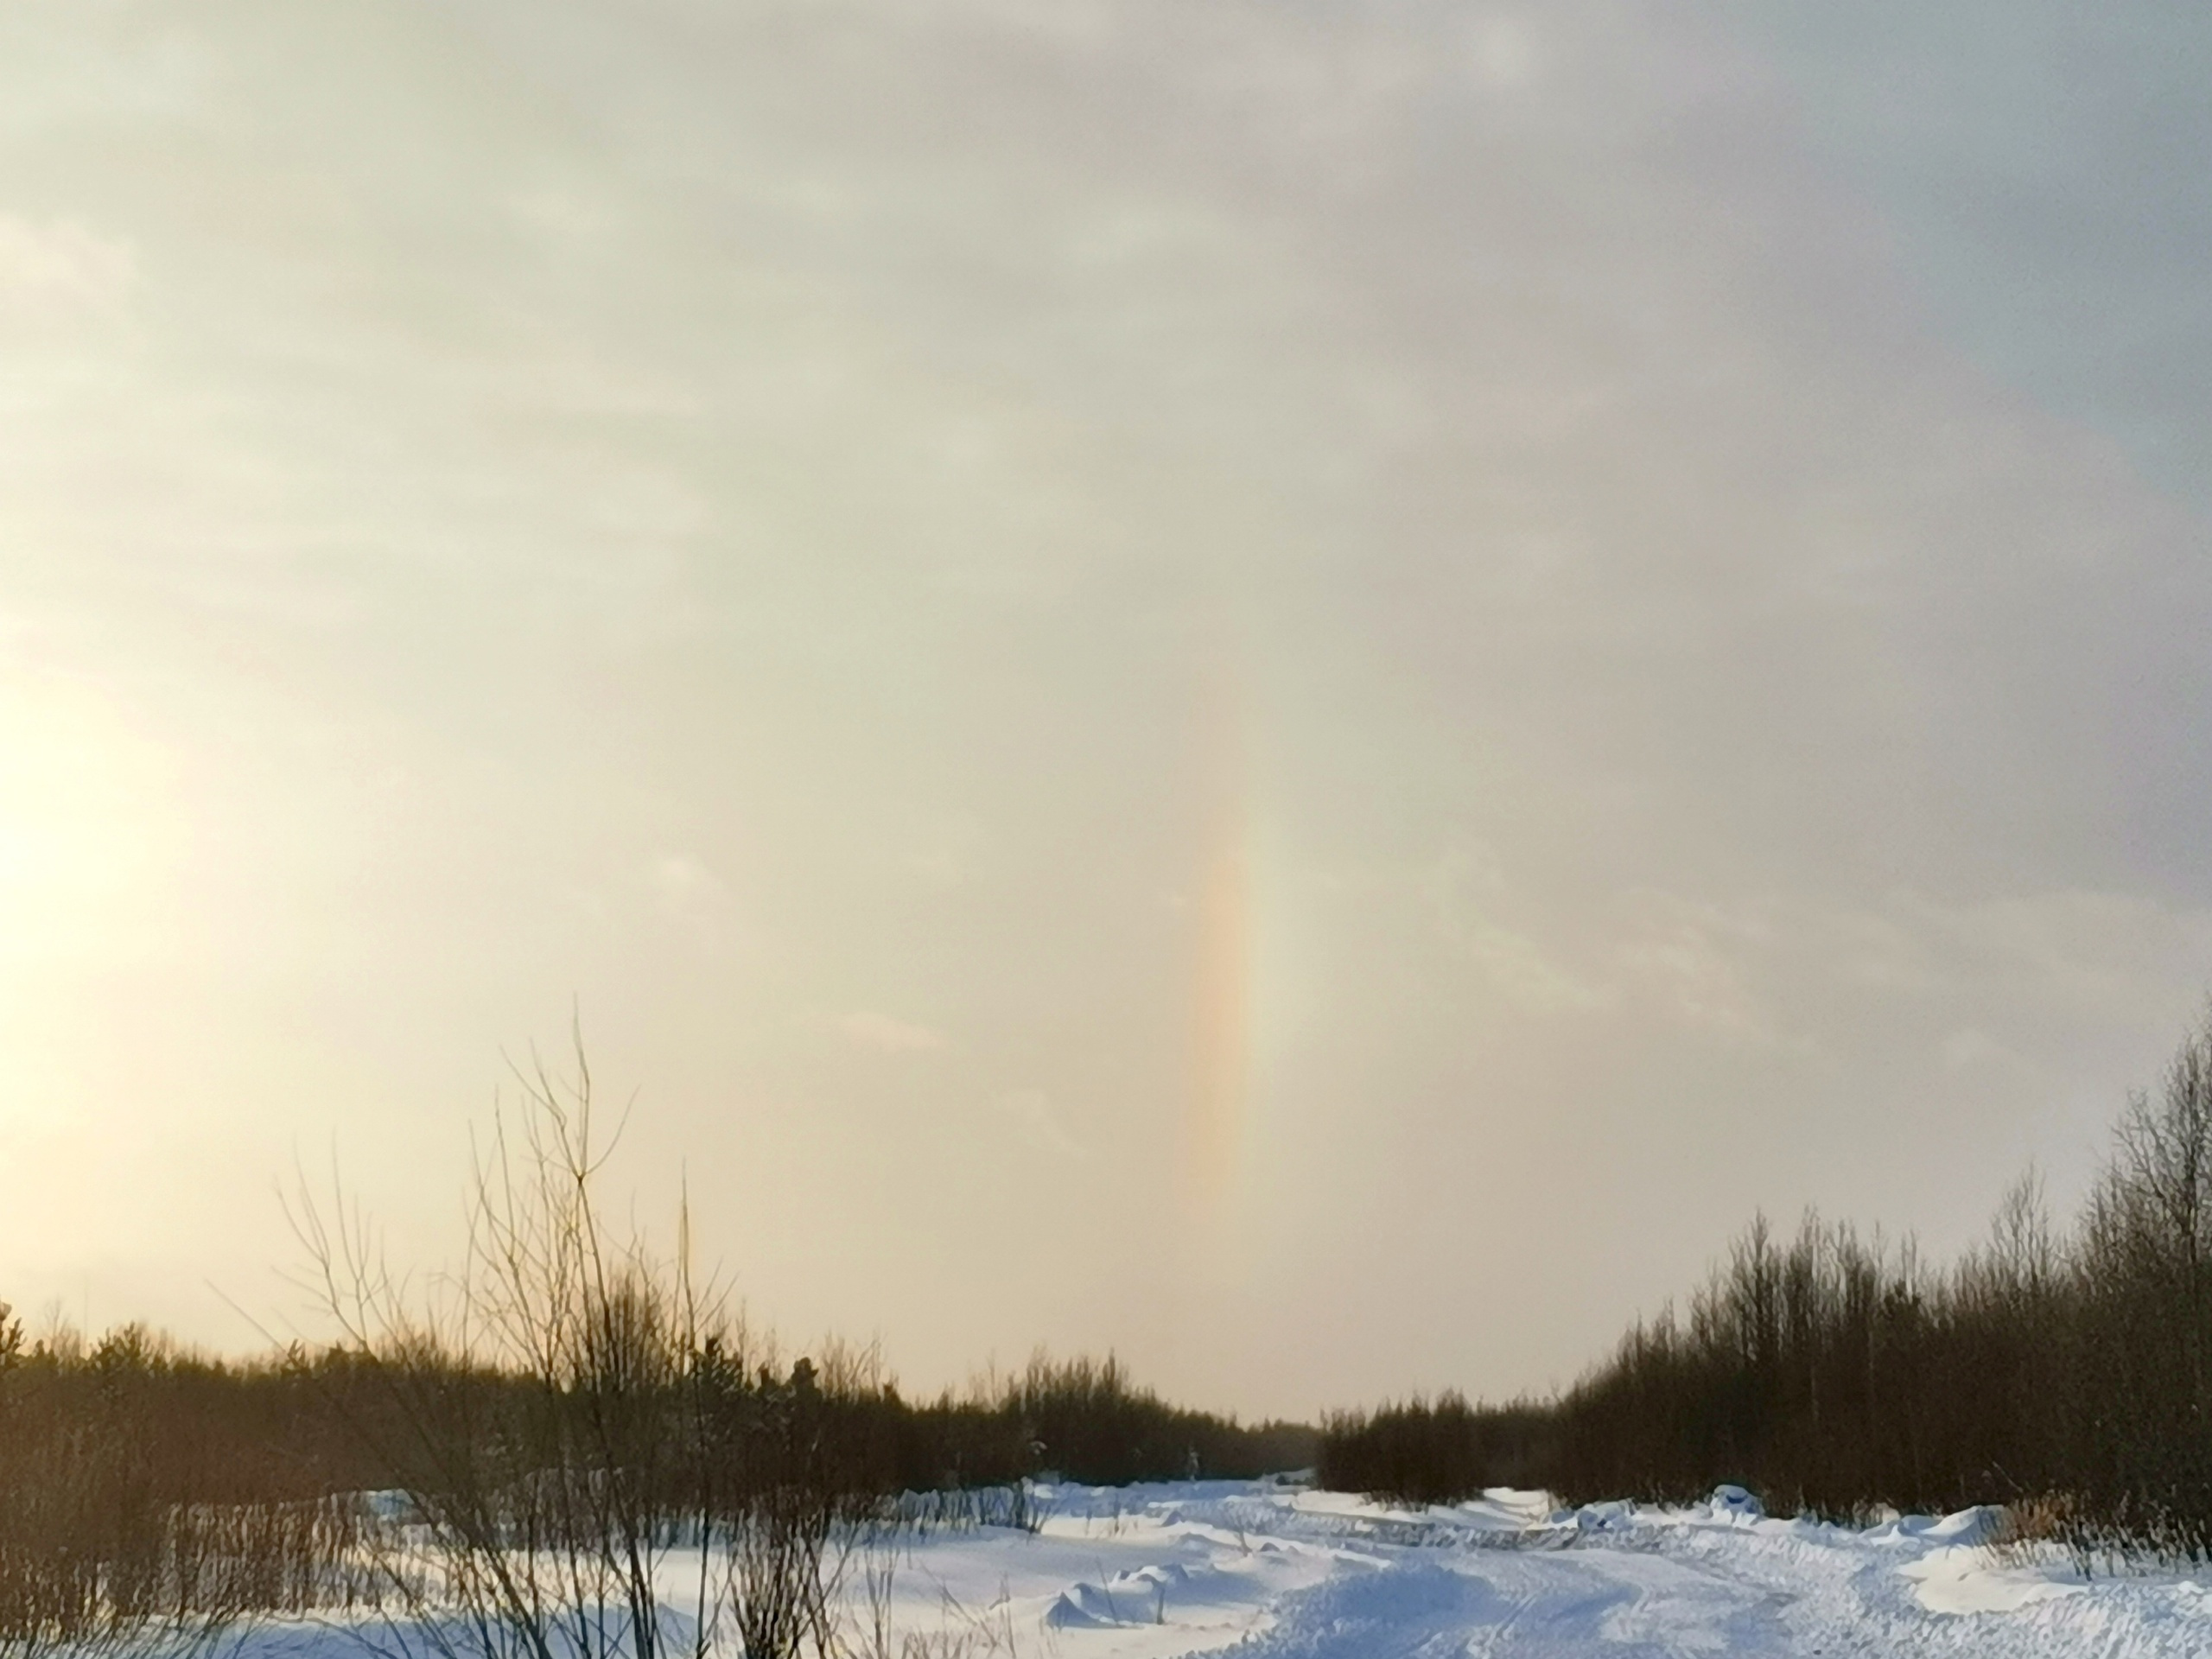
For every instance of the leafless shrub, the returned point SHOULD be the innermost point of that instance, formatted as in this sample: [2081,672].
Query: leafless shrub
[568,1409]
[965,1633]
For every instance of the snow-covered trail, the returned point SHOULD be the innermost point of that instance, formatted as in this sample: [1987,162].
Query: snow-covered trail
[1293,1575]
[1637,1607]
[1270,1573]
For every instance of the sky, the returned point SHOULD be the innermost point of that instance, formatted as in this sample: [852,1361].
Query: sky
[1303,688]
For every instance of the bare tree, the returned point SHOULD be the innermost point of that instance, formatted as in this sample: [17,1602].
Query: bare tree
[570,1408]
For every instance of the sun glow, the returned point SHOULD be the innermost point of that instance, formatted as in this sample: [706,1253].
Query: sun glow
[84,809]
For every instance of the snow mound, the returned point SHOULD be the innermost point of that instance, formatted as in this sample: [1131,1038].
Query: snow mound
[1160,1574]
[1085,1607]
[1974,1526]
[1970,1580]
[1617,1516]
[1735,1506]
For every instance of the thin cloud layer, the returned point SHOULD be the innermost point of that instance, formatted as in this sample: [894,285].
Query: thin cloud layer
[720,514]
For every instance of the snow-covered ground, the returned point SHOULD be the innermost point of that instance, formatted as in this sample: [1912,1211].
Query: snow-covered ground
[1280,1573]
[1150,1572]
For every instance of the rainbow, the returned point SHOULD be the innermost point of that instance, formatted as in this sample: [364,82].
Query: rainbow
[1221,974]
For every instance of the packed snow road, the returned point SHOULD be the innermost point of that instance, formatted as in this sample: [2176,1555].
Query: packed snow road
[1281,1574]
[1601,1602]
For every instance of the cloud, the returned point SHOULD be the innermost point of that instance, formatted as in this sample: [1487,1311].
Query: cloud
[685,886]
[1503,50]
[1040,1126]
[61,266]
[1971,1046]
[1694,957]
[1519,968]
[1733,692]
[1466,885]
[880,1031]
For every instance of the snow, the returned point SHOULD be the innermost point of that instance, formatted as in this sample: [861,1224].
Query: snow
[1271,1572]
[1964,1581]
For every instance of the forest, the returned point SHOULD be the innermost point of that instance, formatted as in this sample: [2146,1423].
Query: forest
[2063,1371]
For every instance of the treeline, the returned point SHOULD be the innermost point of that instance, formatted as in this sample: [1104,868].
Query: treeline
[508,1461]
[2067,1373]
[1431,1452]
[142,1482]
[163,1421]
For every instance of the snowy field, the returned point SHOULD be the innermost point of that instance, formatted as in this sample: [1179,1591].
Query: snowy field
[1273,1573]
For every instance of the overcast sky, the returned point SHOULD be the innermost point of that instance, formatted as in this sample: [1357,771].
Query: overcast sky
[1301,687]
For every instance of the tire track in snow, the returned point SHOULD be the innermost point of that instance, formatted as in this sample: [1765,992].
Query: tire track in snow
[1526,1605]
